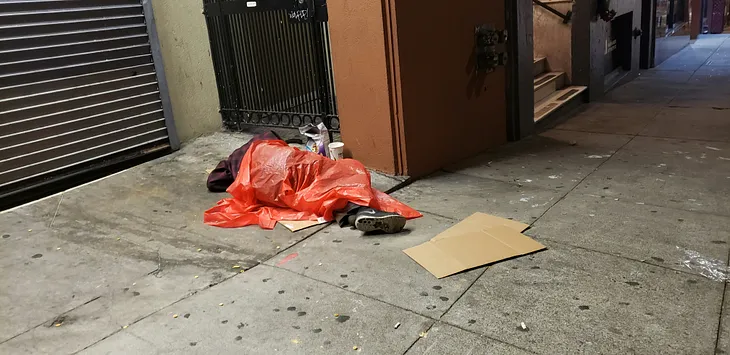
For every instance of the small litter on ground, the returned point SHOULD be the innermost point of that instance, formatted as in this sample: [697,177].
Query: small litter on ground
[713,269]
[295,226]
[522,327]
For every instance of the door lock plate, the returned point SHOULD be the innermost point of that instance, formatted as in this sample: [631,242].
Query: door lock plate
[489,49]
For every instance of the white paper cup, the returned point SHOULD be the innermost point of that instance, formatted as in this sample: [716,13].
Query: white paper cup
[337,150]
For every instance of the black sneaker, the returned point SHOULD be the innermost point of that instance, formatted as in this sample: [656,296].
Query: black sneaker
[371,220]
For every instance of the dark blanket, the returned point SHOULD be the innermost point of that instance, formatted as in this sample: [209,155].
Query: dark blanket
[227,170]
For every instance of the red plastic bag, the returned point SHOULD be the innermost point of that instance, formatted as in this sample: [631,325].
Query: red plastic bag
[277,182]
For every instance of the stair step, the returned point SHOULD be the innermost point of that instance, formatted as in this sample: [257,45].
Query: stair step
[539,66]
[548,83]
[556,100]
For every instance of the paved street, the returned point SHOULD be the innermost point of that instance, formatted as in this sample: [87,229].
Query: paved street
[124,265]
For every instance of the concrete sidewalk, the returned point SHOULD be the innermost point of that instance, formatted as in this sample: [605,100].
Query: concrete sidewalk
[124,265]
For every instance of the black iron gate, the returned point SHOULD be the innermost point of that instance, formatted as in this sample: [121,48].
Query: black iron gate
[272,62]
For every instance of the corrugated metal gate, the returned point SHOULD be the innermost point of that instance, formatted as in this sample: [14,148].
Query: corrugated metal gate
[78,88]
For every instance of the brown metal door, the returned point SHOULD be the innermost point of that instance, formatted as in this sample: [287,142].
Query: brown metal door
[450,110]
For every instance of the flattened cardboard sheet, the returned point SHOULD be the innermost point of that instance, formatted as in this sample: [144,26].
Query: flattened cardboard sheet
[478,240]
[296,226]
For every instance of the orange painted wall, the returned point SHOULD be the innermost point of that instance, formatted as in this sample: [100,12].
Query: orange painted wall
[448,112]
[359,57]
[409,99]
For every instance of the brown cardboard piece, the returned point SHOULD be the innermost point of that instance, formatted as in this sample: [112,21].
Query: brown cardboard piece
[478,240]
[295,226]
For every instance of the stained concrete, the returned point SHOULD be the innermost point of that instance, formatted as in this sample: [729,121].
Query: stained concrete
[651,234]
[376,266]
[683,174]
[266,311]
[458,196]
[555,159]
[159,207]
[643,93]
[443,338]
[674,76]
[104,245]
[575,301]
[119,302]
[628,119]
[699,123]
[105,267]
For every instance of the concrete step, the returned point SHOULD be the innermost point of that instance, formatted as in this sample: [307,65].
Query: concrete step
[539,66]
[548,83]
[556,100]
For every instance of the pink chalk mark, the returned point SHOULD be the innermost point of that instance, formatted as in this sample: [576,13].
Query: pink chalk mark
[288,258]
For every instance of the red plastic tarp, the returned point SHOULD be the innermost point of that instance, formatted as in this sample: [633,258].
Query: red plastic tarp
[277,182]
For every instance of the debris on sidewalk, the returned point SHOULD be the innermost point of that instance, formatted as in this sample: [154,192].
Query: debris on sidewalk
[522,327]
[277,182]
[396,326]
[478,240]
[712,269]
[295,226]
[318,138]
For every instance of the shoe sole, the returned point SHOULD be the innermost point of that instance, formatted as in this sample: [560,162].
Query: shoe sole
[387,224]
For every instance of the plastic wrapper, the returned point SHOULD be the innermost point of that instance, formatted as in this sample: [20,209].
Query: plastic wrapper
[277,182]
[318,138]
[712,269]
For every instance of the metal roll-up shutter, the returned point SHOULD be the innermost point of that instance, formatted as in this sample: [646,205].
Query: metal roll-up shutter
[79,85]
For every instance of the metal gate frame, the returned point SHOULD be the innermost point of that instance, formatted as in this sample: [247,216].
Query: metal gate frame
[149,16]
[272,62]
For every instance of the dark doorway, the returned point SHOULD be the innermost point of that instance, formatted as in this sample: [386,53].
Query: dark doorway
[618,48]
[648,13]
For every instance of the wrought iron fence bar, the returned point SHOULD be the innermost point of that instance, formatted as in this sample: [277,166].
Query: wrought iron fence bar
[273,66]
